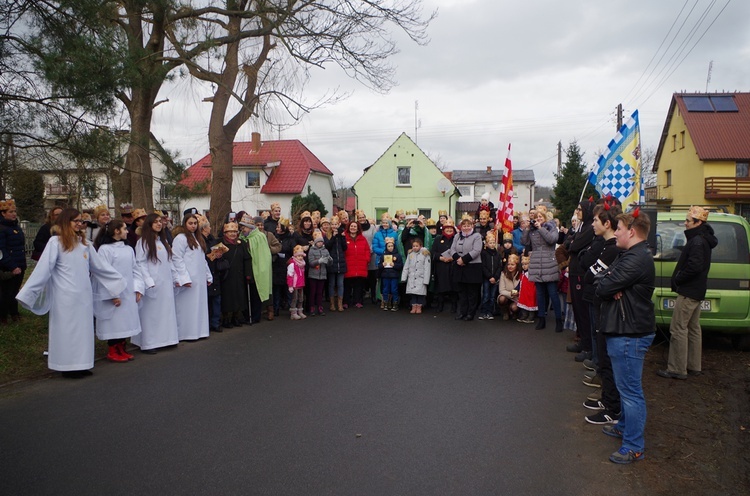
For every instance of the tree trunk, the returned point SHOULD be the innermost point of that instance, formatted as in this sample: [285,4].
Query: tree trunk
[138,157]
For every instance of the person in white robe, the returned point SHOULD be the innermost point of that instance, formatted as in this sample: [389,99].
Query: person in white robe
[193,278]
[153,256]
[61,285]
[115,323]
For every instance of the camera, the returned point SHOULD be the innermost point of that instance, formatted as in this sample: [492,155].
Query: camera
[533,224]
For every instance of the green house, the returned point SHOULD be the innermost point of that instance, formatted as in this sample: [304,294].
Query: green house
[404,178]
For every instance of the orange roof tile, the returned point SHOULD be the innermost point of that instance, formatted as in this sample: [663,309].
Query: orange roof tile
[295,160]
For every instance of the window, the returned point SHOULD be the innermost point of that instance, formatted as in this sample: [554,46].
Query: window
[674,142]
[427,212]
[465,190]
[742,169]
[403,176]
[253,179]
[479,190]
[682,139]
[669,177]
[165,192]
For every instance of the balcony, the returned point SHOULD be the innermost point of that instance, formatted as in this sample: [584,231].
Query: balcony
[727,188]
[56,191]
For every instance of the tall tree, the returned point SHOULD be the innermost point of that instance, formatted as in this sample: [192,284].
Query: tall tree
[303,33]
[571,182]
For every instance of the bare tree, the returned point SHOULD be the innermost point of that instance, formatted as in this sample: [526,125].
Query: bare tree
[301,34]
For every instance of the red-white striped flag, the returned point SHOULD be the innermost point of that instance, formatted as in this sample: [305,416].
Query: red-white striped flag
[505,207]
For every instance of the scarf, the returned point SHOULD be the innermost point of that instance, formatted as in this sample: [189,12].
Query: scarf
[257,245]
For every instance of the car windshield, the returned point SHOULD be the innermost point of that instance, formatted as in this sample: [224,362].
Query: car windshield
[670,238]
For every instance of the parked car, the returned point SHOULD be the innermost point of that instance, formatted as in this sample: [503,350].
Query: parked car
[726,308]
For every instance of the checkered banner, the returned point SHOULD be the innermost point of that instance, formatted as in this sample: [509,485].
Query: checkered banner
[619,171]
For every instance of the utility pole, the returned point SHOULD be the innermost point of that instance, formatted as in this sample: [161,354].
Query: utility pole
[619,116]
[559,158]
[417,124]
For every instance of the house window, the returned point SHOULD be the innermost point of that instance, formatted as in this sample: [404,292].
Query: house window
[479,190]
[403,176]
[165,192]
[427,212]
[682,139]
[742,169]
[669,177]
[253,179]
[674,142]
[465,190]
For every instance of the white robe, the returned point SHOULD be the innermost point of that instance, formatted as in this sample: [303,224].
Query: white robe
[157,312]
[60,285]
[119,322]
[191,303]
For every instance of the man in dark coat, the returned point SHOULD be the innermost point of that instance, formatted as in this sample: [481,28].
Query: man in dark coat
[689,282]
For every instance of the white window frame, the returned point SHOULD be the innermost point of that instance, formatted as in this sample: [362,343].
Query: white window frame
[247,179]
[398,176]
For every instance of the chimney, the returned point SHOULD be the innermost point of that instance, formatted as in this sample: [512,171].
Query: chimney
[255,148]
[489,169]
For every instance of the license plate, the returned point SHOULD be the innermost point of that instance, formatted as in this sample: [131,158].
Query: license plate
[668,304]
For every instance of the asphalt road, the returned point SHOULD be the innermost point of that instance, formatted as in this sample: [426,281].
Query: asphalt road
[361,403]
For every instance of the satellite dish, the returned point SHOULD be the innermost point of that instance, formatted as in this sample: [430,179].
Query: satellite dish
[444,185]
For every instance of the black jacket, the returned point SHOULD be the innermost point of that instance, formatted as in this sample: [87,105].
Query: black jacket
[391,272]
[12,245]
[492,265]
[691,272]
[581,239]
[600,255]
[632,274]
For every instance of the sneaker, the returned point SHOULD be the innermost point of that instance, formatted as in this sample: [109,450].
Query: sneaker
[574,347]
[624,455]
[671,375]
[612,430]
[595,395]
[583,355]
[603,418]
[595,381]
[589,374]
[594,405]
[481,317]
[589,364]
[490,316]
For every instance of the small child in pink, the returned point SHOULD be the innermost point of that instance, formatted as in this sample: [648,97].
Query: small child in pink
[295,280]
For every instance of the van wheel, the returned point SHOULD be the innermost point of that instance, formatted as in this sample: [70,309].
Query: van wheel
[741,342]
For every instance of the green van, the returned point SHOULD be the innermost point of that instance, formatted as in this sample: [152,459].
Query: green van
[726,308]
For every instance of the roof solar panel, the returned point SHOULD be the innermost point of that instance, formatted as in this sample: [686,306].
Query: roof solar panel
[698,104]
[724,103]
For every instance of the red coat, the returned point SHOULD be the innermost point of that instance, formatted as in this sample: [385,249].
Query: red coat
[357,256]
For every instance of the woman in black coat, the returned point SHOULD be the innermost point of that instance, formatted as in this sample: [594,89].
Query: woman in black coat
[13,260]
[278,266]
[44,233]
[442,267]
[336,245]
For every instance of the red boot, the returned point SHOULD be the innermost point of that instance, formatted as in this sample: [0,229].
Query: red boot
[121,349]
[114,354]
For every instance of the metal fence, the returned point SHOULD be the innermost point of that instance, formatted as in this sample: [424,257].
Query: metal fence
[29,231]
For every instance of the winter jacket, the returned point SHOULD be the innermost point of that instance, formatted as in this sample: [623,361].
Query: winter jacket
[215,288]
[416,273]
[543,265]
[368,231]
[492,264]
[469,249]
[581,239]
[507,285]
[12,245]
[378,241]
[336,247]
[391,272]
[357,256]
[443,271]
[517,244]
[632,275]
[295,275]
[608,252]
[484,229]
[691,272]
[317,261]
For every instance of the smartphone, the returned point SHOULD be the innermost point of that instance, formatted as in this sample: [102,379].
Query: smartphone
[232,216]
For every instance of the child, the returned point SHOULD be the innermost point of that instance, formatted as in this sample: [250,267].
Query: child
[563,286]
[295,280]
[317,274]
[509,284]
[527,295]
[416,275]
[492,268]
[508,249]
[390,267]
[117,319]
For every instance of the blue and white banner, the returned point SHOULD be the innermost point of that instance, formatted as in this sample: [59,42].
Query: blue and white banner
[619,171]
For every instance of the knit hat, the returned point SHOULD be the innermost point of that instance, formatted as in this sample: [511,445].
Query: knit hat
[507,237]
[486,196]
[298,249]
[698,213]
[258,219]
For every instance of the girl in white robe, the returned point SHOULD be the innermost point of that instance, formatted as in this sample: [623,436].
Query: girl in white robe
[61,285]
[117,322]
[193,277]
[153,256]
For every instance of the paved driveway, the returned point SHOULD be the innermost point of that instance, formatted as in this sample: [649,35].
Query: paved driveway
[361,403]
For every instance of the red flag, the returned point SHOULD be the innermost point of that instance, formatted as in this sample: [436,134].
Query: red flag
[505,207]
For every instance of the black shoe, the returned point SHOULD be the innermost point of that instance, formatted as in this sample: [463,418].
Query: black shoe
[541,323]
[574,347]
[237,323]
[76,374]
[459,317]
[469,317]
[558,325]
[215,329]
[583,355]
[440,306]
[148,352]
[603,417]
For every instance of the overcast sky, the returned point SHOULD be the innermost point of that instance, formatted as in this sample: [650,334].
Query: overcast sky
[528,73]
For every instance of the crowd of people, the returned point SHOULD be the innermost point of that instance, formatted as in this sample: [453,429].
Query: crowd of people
[137,277]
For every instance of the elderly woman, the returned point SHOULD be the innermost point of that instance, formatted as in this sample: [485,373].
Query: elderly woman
[466,253]
[542,235]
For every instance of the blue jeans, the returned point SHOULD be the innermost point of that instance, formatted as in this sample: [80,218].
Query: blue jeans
[546,291]
[626,355]
[214,311]
[336,285]
[389,288]
[489,295]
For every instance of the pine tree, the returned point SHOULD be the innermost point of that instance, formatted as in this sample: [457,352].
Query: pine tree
[570,182]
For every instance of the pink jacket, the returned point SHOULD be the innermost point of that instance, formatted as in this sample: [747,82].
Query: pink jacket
[295,275]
